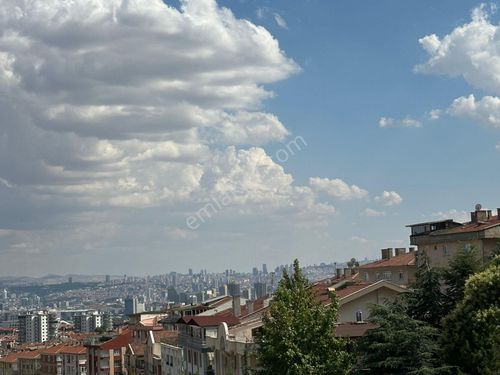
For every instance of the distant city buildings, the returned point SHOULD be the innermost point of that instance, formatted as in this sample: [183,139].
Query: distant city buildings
[134,305]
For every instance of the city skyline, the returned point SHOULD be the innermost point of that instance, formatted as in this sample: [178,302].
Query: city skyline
[145,137]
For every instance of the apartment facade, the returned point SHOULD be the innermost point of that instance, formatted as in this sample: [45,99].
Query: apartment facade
[88,322]
[107,358]
[33,327]
[398,266]
[74,360]
[28,363]
[441,240]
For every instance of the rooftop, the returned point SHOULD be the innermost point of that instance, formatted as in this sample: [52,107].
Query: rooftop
[406,259]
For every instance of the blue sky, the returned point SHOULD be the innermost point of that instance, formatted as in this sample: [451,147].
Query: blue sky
[122,121]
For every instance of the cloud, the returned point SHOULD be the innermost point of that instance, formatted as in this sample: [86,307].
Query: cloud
[457,215]
[469,51]
[337,188]
[485,111]
[280,21]
[435,114]
[407,122]
[370,212]
[497,147]
[389,198]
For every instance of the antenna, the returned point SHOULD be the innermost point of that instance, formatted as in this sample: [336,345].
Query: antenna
[478,207]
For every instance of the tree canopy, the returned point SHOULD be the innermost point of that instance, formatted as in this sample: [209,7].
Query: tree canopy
[471,335]
[297,336]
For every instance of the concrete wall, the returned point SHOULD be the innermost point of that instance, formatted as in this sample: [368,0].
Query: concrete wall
[347,311]
[408,273]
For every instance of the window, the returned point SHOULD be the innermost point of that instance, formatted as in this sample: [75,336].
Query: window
[401,275]
[366,276]
[387,275]
[445,251]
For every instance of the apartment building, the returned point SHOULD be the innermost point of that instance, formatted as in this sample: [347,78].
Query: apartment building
[51,362]
[193,334]
[8,364]
[33,327]
[398,267]
[107,358]
[28,363]
[87,322]
[74,360]
[172,359]
[441,240]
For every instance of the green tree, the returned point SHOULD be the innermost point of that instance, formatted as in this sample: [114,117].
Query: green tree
[464,264]
[297,336]
[400,345]
[425,301]
[471,333]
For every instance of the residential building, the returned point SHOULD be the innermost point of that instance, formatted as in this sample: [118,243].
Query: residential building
[152,351]
[51,361]
[8,364]
[107,358]
[87,322]
[74,360]
[441,240]
[193,334]
[28,363]
[172,359]
[33,326]
[399,267]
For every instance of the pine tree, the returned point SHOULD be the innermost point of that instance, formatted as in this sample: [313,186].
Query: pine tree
[400,345]
[425,301]
[471,334]
[297,336]
[464,264]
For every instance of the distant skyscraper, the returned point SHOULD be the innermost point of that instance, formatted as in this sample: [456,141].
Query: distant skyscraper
[133,306]
[233,289]
[108,279]
[255,271]
[70,280]
[190,271]
[5,295]
[173,296]
[260,289]
[264,269]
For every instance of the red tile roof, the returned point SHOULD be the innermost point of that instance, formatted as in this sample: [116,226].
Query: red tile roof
[406,259]
[10,358]
[469,227]
[118,342]
[53,349]
[212,321]
[76,349]
[350,289]
[29,355]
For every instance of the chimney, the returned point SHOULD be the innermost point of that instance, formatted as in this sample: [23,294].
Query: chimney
[411,249]
[338,272]
[387,253]
[400,250]
[359,316]
[347,272]
[480,215]
[498,213]
[249,307]
[236,306]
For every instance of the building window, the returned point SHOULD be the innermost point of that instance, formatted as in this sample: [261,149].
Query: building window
[366,276]
[445,251]
[387,275]
[401,275]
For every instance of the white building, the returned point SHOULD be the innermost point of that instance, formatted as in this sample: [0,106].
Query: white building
[88,322]
[171,359]
[33,327]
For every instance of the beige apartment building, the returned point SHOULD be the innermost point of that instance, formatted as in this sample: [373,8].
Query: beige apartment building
[441,240]
[28,363]
[398,267]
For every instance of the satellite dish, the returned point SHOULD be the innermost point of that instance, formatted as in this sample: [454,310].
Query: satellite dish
[478,207]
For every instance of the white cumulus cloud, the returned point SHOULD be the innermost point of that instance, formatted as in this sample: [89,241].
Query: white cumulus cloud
[407,122]
[389,198]
[337,188]
[370,212]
